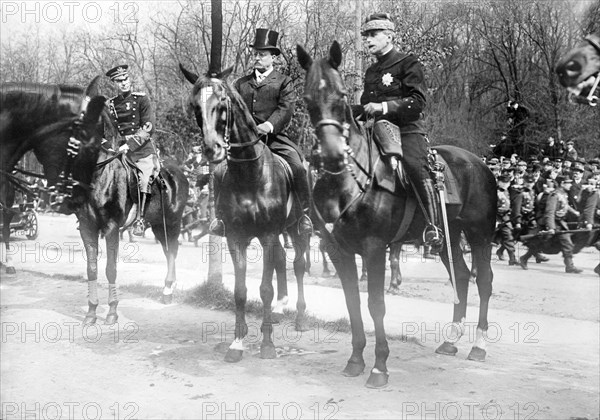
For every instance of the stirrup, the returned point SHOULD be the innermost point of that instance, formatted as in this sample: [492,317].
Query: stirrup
[217,227]
[432,236]
[139,226]
[305,226]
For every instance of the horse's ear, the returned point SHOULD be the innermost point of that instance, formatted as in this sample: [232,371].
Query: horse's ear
[92,89]
[94,109]
[304,58]
[191,77]
[225,73]
[335,55]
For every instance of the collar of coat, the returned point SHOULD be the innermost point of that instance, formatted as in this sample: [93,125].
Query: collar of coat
[391,58]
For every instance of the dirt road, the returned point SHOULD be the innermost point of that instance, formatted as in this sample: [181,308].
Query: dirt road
[166,361]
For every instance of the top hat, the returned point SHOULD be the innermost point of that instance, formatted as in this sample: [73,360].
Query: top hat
[266,39]
[119,71]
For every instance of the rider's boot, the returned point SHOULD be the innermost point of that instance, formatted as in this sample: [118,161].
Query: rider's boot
[139,226]
[305,226]
[432,234]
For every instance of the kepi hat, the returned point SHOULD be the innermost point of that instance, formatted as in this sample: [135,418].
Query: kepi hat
[377,22]
[119,71]
[266,39]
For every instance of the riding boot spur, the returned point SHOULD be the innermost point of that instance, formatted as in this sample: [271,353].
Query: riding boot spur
[139,226]
[433,234]
[305,225]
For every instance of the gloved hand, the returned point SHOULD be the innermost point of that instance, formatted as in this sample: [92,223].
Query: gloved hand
[124,148]
[263,128]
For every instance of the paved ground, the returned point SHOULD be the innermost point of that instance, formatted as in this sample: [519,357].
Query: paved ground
[166,361]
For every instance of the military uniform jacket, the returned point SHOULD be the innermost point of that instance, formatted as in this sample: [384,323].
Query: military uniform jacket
[130,112]
[397,79]
[557,208]
[522,206]
[503,209]
[272,100]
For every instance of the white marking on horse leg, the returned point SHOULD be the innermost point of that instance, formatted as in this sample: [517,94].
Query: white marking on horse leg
[238,344]
[457,330]
[112,293]
[480,339]
[167,291]
[281,303]
[93,292]
[376,371]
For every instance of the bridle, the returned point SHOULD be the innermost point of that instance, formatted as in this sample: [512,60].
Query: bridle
[227,134]
[590,99]
[344,129]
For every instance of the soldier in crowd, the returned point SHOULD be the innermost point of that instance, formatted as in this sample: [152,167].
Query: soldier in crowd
[552,150]
[134,118]
[555,220]
[504,234]
[570,152]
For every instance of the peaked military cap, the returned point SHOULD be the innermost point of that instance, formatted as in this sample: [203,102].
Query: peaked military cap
[563,178]
[119,71]
[504,178]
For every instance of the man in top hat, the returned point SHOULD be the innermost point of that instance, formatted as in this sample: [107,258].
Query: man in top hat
[394,96]
[133,115]
[270,98]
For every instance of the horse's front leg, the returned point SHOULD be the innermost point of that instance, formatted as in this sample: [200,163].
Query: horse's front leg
[112,256]
[375,261]
[273,258]
[89,235]
[301,245]
[5,257]
[237,249]
[345,264]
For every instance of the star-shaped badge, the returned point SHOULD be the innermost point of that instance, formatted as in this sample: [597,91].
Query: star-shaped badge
[387,79]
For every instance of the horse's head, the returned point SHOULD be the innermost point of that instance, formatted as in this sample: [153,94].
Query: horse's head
[217,108]
[579,70]
[71,165]
[327,104]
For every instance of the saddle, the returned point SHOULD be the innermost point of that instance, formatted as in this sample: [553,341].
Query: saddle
[389,142]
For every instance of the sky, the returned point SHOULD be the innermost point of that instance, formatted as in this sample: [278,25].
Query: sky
[53,17]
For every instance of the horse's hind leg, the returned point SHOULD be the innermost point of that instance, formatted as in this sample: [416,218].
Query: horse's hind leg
[462,274]
[5,257]
[170,246]
[275,260]
[481,252]
[396,279]
[89,235]
[300,246]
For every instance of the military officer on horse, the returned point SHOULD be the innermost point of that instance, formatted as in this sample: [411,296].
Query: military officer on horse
[133,115]
[394,96]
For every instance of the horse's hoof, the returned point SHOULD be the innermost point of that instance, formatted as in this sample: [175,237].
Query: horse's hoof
[11,270]
[111,319]
[393,290]
[233,356]
[267,351]
[89,320]
[353,369]
[377,380]
[447,349]
[477,354]
[167,299]
[302,325]
[276,317]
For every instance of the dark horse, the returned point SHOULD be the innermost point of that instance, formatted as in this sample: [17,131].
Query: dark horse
[579,71]
[109,200]
[32,114]
[364,219]
[254,197]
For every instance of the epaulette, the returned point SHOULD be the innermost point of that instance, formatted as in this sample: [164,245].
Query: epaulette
[138,93]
